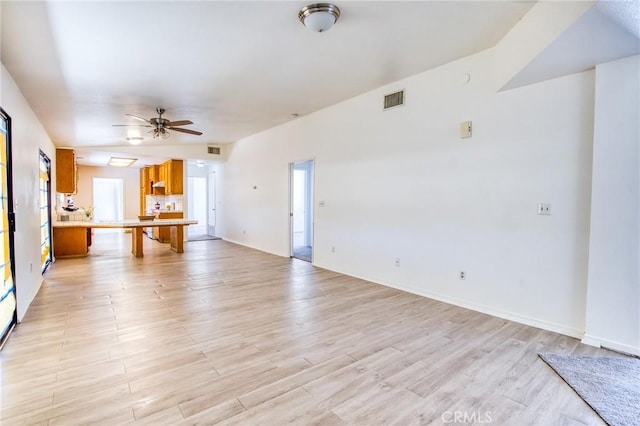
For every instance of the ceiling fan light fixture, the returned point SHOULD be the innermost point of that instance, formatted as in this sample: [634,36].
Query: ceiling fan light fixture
[160,133]
[319,17]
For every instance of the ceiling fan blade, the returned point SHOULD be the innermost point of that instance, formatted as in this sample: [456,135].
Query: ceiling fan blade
[129,125]
[139,118]
[180,123]
[191,132]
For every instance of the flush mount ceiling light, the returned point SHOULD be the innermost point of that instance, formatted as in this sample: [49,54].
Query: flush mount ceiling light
[135,140]
[319,17]
[121,162]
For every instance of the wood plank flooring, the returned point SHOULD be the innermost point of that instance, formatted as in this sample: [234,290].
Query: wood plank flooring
[230,335]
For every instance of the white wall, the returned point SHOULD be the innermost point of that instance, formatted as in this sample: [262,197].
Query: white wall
[131,183]
[613,304]
[402,184]
[28,138]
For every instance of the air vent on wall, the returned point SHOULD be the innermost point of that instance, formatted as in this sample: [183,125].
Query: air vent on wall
[215,150]
[394,99]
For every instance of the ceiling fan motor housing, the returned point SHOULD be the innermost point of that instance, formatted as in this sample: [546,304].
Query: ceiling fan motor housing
[159,122]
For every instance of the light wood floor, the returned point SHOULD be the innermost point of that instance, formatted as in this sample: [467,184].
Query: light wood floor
[223,333]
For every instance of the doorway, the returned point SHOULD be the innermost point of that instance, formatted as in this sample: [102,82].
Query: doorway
[211,208]
[197,206]
[108,201]
[301,210]
[201,201]
[8,313]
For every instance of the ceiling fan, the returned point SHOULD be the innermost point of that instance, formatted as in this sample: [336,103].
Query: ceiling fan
[160,126]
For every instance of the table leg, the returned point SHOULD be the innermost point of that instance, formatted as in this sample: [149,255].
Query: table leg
[136,242]
[177,238]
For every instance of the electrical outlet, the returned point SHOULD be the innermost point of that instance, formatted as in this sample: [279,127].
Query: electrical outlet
[397,261]
[333,249]
[465,129]
[463,275]
[544,209]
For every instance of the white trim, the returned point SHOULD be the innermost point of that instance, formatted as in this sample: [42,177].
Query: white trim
[609,344]
[591,341]
[253,247]
[511,316]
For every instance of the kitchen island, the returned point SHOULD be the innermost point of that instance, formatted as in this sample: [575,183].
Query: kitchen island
[72,239]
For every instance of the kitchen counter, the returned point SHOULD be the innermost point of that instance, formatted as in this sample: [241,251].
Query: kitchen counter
[129,223]
[72,239]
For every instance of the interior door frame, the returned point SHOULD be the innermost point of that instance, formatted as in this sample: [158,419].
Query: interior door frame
[312,204]
[212,179]
[12,224]
[50,256]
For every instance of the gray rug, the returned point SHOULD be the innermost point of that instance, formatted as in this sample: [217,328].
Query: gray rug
[610,385]
[203,238]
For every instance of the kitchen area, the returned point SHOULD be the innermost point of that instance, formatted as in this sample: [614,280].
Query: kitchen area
[161,195]
[94,196]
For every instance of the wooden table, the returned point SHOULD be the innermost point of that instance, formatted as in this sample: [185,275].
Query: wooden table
[77,235]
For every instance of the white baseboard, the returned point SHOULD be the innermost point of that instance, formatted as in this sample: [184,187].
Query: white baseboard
[511,316]
[609,344]
[591,341]
[251,247]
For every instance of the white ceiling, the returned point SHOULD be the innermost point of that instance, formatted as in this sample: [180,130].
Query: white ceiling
[234,68]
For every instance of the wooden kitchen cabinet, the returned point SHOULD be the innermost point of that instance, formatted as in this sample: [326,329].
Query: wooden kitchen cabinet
[154,177]
[71,242]
[144,178]
[66,171]
[163,172]
[145,188]
[173,183]
[164,234]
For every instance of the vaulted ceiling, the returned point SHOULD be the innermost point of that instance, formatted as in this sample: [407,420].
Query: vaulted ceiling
[234,68]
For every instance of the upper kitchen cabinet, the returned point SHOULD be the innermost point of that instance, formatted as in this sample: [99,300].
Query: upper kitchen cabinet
[172,173]
[154,174]
[153,178]
[144,179]
[144,188]
[66,171]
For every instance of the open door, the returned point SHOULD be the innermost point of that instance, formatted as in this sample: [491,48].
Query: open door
[211,219]
[45,212]
[301,210]
[8,313]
